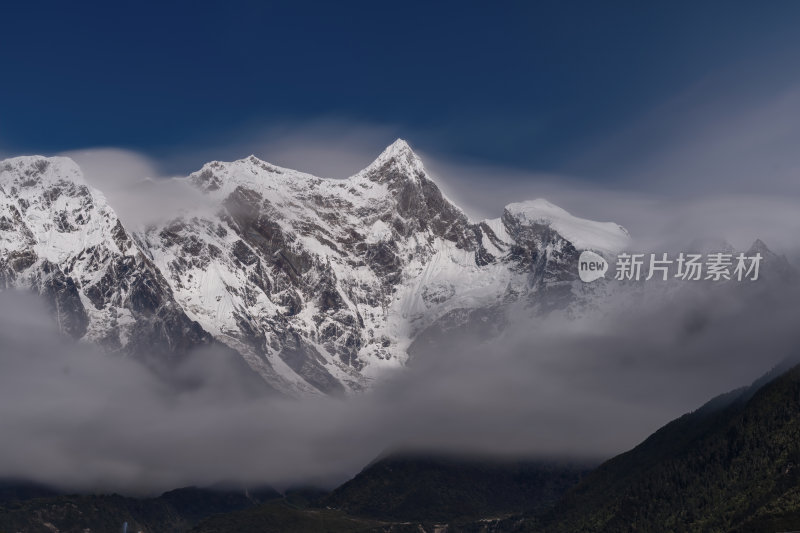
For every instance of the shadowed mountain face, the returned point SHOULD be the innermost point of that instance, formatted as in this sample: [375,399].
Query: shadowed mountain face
[19,490]
[394,492]
[425,488]
[732,465]
[415,493]
[319,284]
[175,511]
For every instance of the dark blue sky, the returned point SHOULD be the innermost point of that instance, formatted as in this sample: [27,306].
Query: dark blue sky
[523,84]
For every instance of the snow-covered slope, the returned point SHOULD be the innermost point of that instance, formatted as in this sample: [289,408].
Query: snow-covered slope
[320,284]
[582,233]
[60,237]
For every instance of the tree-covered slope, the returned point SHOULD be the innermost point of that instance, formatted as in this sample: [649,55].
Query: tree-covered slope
[421,488]
[173,512]
[733,465]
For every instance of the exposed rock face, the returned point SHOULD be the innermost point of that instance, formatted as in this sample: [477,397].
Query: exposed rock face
[60,238]
[319,284]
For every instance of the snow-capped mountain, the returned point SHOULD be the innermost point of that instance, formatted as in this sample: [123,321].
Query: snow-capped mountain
[320,284]
[59,237]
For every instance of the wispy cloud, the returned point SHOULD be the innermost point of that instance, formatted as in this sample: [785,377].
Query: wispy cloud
[135,186]
[329,147]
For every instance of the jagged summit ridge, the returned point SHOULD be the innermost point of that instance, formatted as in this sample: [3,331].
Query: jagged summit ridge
[398,155]
[398,160]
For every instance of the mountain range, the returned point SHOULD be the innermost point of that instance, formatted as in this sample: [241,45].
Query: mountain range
[320,285]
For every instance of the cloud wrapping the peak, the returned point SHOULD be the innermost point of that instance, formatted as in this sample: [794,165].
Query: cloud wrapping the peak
[135,187]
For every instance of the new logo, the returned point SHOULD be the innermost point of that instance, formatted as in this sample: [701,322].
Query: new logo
[591,266]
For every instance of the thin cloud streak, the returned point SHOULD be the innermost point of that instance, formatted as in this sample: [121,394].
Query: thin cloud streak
[134,186]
